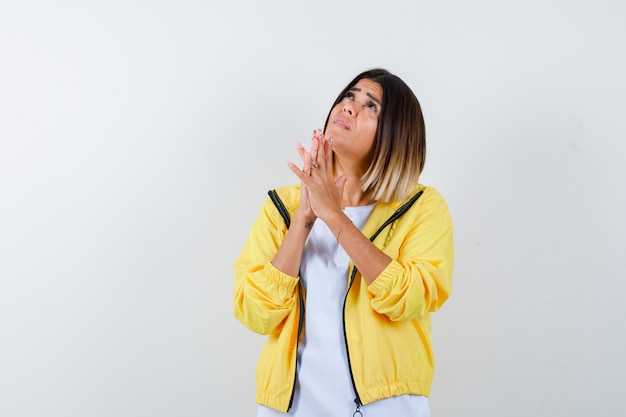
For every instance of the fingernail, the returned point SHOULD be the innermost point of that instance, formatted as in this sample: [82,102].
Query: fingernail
[319,132]
[330,139]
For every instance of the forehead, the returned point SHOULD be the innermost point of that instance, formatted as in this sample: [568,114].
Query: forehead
[369,86]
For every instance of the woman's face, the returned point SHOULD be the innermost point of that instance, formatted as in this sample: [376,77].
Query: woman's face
[353,122]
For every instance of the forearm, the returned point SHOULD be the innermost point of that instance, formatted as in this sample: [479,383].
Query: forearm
[289,254]
[369,260]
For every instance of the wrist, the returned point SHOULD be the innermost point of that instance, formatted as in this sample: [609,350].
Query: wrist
[342,227]
[303,221]
[335,220]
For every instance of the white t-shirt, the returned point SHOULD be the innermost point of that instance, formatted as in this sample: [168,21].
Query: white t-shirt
[324,385]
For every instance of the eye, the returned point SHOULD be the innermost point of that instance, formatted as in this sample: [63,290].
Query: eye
[349,95]
[372,106]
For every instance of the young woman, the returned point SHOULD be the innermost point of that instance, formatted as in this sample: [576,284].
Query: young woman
[343,271]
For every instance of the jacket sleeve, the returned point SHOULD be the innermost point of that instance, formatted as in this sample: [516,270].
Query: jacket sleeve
[419,280]
[263,295]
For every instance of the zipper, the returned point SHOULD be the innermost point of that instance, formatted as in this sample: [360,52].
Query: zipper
[300,321]
[287,219]
[284,213]
[280,206]
[357,399]
[395,216]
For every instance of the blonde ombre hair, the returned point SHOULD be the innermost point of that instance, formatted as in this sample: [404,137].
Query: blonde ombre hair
[400,146]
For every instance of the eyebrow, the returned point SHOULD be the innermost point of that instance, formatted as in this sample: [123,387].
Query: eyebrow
[368,94]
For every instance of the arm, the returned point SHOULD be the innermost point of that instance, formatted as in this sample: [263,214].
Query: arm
[289,254]
[325,194]
[419,278]
[369,260]
[264,295]
[267,270]
[407,280]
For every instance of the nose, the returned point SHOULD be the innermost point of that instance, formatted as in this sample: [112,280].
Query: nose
[349,108]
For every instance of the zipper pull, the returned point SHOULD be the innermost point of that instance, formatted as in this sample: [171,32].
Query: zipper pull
[357,412]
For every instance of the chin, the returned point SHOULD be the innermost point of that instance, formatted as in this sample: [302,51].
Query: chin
[335,133]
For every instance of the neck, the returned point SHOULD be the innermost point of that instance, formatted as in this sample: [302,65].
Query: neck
[353,195]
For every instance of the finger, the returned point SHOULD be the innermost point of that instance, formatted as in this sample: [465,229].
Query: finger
[299,173]
[327,156]
[307,163]
[305,194]
[341,181]
[315,144]
[300,149]
[306,157]
[327,150]
[320,149]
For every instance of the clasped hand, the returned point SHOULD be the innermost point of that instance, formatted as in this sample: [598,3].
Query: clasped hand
[321,191]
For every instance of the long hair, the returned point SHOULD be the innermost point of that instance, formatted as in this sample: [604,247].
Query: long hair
[400,145]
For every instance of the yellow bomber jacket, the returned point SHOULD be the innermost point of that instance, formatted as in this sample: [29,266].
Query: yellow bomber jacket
[387,324]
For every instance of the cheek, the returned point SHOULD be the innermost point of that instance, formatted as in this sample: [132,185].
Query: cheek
[373,127]
[331,116]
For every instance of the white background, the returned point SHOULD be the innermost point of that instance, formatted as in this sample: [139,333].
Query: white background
[138,140]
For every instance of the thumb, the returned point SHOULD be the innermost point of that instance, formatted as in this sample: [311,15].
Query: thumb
[340,182]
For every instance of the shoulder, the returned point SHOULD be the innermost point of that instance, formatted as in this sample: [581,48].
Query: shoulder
[431,194]
[289,195]
[430,203]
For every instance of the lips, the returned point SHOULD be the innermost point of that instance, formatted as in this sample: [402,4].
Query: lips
[341,123]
